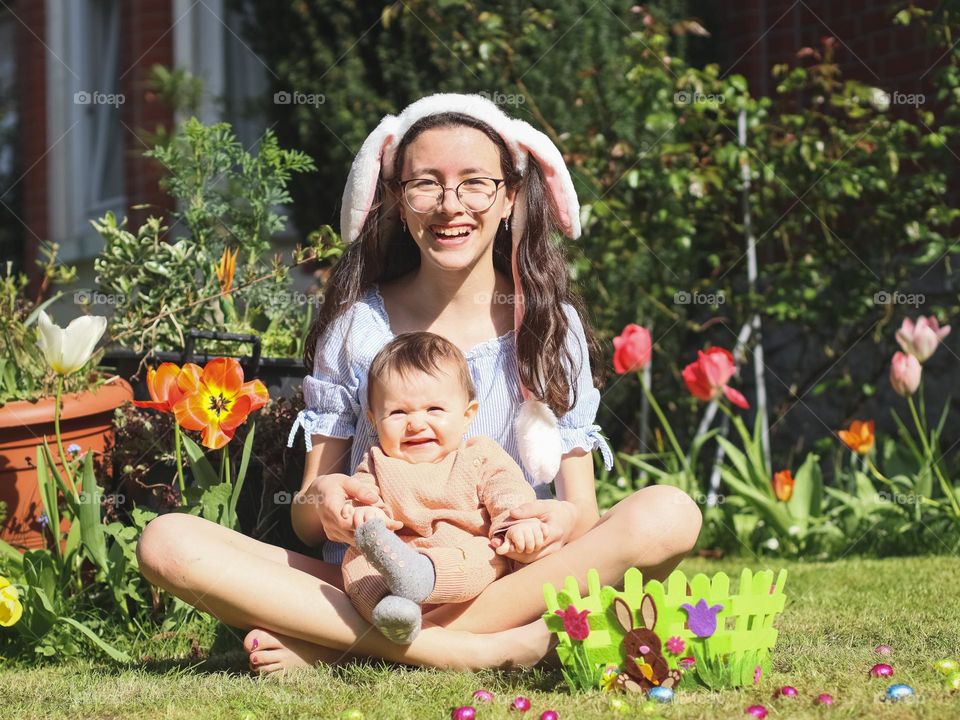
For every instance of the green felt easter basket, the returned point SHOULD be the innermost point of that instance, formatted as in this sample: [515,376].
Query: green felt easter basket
[703,634]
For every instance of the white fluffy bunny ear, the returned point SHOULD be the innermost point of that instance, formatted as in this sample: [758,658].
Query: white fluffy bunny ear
[538,438]
[556,173]
[361,184]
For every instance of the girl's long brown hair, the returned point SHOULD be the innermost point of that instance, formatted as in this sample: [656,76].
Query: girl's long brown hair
[383,252]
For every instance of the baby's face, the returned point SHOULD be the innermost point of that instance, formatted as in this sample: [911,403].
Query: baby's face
[420,418]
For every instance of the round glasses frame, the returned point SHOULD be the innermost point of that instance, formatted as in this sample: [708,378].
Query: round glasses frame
[442,193]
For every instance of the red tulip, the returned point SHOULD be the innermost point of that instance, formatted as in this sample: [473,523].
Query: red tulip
[708,376]
[218,401]
[631,349]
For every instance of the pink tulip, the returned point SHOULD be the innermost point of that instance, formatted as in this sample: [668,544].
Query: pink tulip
[707,378]
[905,374]
[921,339]
[631,349]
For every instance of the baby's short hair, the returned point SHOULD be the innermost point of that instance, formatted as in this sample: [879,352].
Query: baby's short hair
[420,351]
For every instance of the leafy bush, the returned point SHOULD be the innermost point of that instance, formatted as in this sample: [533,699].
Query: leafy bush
[230,209]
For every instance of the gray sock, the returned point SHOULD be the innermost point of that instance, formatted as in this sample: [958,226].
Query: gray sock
[407,573]
[398,619]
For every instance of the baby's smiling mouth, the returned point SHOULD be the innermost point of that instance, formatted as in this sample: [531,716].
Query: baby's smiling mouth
[419,441]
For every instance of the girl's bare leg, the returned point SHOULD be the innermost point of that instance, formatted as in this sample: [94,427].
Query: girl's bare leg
[653,530]
[248,584]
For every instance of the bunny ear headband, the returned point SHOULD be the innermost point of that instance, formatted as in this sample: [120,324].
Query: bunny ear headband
[536,426]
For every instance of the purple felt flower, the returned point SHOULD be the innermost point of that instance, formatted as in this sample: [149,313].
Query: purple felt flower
[574,623]
[702,618]
[676,645]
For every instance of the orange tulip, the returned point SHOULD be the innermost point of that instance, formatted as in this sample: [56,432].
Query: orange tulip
[225,268]
[859,436]
[783,483]
[163,384]
[218,401]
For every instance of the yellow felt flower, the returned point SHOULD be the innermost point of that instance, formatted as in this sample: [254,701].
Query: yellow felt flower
[10,607]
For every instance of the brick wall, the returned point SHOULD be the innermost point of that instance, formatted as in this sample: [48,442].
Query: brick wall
[870,47]
[146,40]
[31,89]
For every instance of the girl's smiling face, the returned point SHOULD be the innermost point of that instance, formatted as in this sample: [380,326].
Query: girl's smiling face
[420,417]
[450,155]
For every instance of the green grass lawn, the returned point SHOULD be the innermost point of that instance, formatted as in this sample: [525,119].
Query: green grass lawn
[836,614]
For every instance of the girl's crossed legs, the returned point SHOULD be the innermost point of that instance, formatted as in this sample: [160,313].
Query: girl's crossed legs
[295,611]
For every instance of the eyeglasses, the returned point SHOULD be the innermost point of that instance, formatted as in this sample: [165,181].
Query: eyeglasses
[475,194]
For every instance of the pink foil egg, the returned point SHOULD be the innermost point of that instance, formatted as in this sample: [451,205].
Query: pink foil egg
[549,715]
[757,711]
[520,703]
[881,670]
[786,691]
[465,712]
[883,650]
[484,696]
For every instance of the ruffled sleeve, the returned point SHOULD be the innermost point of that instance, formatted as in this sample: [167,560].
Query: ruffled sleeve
[577,427]
[331,393]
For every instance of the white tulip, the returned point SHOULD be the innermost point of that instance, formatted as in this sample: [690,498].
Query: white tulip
[66,351]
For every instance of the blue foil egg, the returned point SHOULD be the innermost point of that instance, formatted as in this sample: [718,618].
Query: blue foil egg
[661,694]
[899,692]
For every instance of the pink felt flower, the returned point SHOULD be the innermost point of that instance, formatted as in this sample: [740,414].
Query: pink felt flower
[676,645]
[575,623]
[757,672]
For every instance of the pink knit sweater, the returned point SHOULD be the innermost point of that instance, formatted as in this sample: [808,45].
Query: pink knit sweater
[469,492]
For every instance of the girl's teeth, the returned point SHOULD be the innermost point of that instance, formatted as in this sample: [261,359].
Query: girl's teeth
[451,233]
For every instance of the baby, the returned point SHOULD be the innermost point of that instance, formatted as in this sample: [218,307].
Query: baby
[445,497]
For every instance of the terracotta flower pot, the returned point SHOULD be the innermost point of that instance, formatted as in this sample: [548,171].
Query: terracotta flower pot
[85,420]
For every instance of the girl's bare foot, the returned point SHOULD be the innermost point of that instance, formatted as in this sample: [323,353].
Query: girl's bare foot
[272,652]
[522,647]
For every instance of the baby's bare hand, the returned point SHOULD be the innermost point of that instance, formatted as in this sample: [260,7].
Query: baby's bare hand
[367,513]
[523,538]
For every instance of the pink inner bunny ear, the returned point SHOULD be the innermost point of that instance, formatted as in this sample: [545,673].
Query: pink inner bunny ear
[648,611]
[362,188]
[623,614]
[555,186]
[388,152]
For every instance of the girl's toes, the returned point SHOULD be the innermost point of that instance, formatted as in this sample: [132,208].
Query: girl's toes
[258,639]
[264,670]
